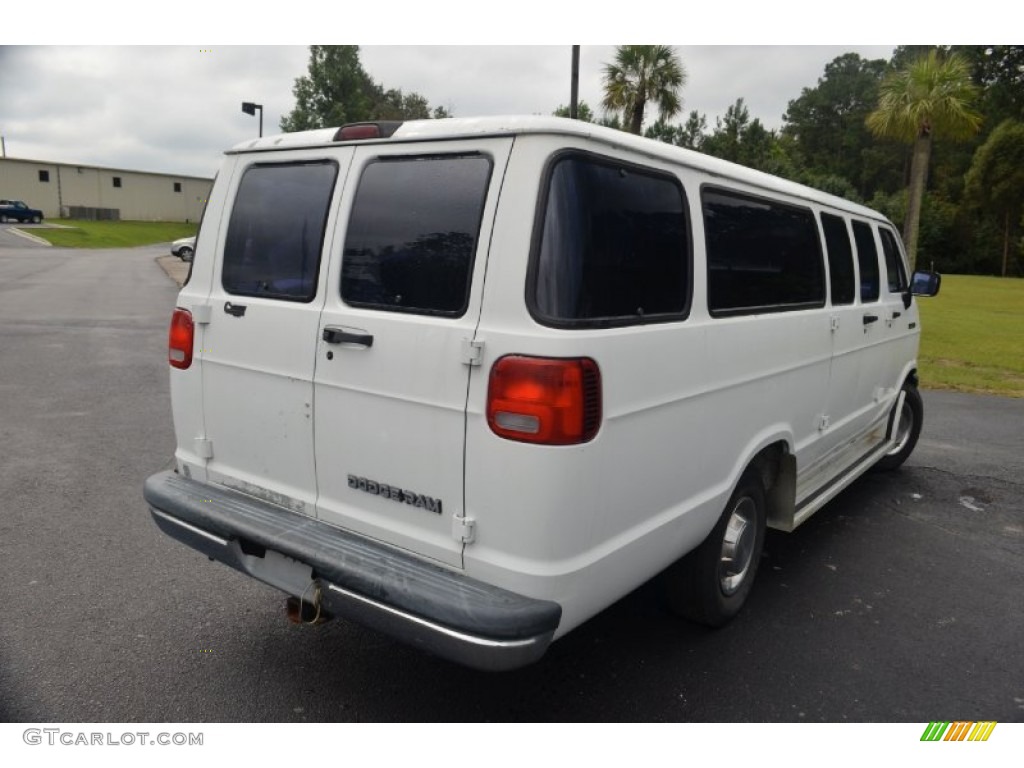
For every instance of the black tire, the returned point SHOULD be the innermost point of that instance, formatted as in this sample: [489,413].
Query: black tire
[185,254]
[36,219]
[907,427]
[708,586]
[3,219]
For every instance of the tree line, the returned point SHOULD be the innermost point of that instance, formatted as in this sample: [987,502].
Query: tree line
[337,90]
[933,137]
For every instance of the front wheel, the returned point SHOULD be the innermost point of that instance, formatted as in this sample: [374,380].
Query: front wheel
[906,428]
[36,219]
[711,583]
[185,254]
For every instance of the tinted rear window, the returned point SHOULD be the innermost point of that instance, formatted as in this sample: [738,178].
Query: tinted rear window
[276,231]
[413,233]
[613,245]
[763,255]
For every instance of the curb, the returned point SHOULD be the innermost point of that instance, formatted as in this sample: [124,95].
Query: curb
[27,236]
[174,268]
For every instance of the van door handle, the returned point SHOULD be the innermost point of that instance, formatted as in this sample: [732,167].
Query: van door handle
[334,335]
[234,309]
[869,319]
[896,314]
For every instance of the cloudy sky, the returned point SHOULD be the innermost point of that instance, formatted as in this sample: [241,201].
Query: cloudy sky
[175,109]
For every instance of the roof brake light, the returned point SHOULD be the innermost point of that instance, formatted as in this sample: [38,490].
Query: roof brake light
[381,129]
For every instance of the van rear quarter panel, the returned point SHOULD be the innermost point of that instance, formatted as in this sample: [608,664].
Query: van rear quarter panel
[686,405]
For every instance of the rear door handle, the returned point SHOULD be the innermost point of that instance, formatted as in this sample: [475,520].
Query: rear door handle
[334,335]
[869,319]
[234,309]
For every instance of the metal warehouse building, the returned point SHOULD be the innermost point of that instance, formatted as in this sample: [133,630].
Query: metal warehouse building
[64,190]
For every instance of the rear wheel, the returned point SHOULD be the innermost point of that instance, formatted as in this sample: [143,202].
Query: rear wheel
[906,428]
[711,583]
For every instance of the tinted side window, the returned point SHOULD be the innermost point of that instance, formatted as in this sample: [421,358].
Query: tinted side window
[276,231]
[867,258]
[613,245]
[413,233]
[895,272]
[763,255]
[840,259]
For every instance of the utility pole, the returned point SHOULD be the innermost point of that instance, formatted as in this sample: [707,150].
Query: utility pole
[575,84]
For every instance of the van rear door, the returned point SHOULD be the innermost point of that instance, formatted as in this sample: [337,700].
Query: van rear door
[264,310]
[393,350]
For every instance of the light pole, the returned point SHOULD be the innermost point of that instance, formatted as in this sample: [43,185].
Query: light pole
[574,84]
[250,109]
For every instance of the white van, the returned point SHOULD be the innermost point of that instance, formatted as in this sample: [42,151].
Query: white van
[470,381]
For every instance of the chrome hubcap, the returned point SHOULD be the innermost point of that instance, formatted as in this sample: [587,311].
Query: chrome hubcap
[738,546]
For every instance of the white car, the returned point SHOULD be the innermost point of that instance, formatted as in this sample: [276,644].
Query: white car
[471,381]
[184,248]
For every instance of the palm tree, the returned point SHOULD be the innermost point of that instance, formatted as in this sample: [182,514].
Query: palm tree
[932,97]
[642,73]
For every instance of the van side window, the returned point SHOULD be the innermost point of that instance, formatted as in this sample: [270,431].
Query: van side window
[276,231]
[840,259]
[763,255]
[612,246]
[413,233]
[867,258]
[895,271]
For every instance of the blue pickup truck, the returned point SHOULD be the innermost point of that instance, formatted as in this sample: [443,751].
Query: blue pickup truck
[15,210]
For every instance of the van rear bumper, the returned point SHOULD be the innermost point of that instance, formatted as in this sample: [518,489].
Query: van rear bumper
[415,601]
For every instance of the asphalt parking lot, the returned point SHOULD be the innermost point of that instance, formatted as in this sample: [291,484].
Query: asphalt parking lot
[18,236]
[900,601]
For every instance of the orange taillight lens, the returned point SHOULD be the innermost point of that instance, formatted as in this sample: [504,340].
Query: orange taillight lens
[180,339]
[545,400]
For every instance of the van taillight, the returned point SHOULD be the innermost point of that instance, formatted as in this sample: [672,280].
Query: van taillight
[180,338]
[545,400]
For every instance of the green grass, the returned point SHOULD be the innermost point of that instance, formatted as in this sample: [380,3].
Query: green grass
[972,336]
[112,234]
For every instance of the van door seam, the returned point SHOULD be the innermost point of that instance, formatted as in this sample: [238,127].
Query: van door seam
[475,337]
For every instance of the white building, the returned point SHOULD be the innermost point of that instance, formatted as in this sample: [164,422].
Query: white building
[62,190]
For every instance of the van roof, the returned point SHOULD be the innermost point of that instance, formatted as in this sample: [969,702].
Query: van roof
[512,125]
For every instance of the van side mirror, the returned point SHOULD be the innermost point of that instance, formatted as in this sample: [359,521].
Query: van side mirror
[925,283]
